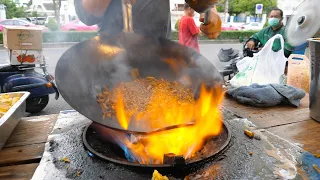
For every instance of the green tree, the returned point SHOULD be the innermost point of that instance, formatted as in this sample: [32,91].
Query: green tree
[246,6]
[34,14]
[56,8]
[176,26]
[52,25]
[12,10]
[250,6]
[222,4]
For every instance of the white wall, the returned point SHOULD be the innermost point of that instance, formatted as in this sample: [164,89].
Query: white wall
[3,14]
[22,2]
[37,1]
[172,2]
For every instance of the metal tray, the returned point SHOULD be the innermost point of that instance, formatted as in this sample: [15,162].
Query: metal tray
[11,118]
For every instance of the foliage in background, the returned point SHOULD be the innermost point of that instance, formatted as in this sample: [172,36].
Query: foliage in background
[34,14]
[52,25]
[221,6]
[250,6]
[59,36]
[12,10]
[176,26]
[56,8]
[242,6]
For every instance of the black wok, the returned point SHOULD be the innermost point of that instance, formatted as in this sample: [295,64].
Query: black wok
[85,68]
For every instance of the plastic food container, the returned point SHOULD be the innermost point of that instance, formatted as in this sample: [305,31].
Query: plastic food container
[299,72]
[12,117]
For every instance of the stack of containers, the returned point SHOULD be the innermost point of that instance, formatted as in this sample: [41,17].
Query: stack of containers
[24,44]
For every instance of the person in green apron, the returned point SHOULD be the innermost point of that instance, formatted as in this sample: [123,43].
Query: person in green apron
[259,39]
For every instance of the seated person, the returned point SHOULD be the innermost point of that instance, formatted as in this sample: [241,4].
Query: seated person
[275,27]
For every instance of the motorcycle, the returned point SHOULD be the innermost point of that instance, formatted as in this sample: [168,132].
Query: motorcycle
[233,57]
[25,78]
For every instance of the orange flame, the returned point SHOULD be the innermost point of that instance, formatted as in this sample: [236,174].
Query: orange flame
[187,140]
[120,113]
[175,64]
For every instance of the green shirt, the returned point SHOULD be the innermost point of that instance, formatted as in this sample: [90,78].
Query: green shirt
[267,33]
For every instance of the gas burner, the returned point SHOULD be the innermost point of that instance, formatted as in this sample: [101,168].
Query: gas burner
[98,145]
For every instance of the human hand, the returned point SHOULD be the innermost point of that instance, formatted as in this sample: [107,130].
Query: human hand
[251,45]
[98,7]
[213,29]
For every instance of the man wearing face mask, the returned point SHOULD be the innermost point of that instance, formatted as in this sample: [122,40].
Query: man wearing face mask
[275,27]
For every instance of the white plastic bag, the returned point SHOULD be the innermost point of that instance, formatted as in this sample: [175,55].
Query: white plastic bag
[271,64]
[243,63]
[265,67]
[243,77]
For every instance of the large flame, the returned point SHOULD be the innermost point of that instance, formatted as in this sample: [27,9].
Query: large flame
[187,140]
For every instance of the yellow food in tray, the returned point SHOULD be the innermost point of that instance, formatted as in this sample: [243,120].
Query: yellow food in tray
[157,176]
[7,101]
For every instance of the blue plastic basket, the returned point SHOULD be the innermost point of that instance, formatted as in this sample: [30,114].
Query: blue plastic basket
[300,49]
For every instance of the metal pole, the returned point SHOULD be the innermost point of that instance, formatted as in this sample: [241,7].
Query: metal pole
[127,16]
[226,10]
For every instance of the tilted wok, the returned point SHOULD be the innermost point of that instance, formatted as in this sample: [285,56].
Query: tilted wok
[84,69]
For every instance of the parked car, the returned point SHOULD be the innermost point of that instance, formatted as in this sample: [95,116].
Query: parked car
[77,25]
[39,20]
[24,19]
[18,22]
[252,26]
[229,27]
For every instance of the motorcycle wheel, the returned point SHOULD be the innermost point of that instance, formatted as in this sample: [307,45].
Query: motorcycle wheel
[37,104]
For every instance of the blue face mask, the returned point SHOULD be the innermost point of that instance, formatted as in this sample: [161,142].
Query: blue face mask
[274,22]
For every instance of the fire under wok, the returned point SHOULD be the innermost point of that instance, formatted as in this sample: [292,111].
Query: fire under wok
[84,69]
[87,67]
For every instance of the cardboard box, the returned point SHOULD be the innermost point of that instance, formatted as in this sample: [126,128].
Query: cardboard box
[18,57]
[26,38]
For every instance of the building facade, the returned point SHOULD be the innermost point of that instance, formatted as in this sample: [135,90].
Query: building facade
[22,2]
[46,8]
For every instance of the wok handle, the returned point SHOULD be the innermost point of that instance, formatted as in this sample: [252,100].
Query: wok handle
[206,16]
[127,16]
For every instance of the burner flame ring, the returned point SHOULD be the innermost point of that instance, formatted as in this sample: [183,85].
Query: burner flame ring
[217,146]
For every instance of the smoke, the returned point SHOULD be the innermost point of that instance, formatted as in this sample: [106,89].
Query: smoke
[116,70]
